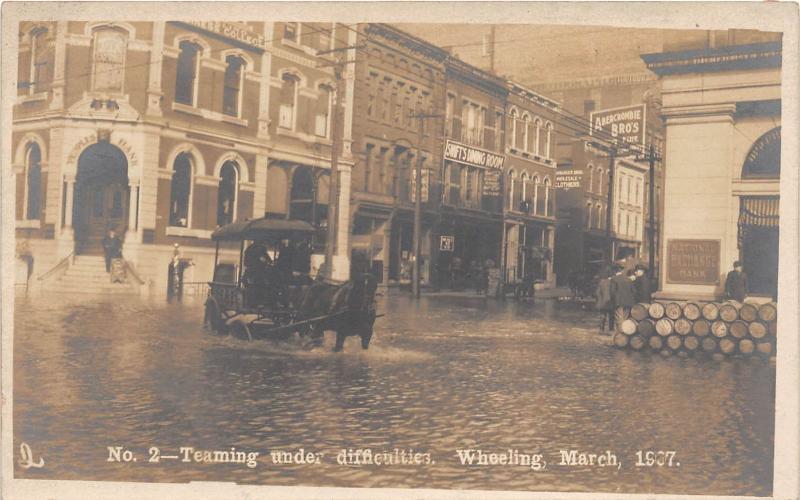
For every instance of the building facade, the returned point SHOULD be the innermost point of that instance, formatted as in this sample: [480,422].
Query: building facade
[165,131]
[722,108]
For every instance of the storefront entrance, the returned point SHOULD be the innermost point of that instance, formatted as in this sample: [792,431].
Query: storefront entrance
[758,243]
[101,197]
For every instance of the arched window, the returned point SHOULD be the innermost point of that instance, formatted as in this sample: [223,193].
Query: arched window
[226,195]
[180,191]
[548,140]
[588,217]
[537,149]
[537,196]
[526,133]
[186,77]
[524,190]
[599,180]
[33,180]
[322,124]
[513,119]
[763,161]
[40,61]
[549,199]
[590,170]
[288,101]
[108,59]
[599,211]
[232,92]
[512,181]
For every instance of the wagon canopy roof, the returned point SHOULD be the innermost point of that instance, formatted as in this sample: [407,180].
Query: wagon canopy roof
[262,229]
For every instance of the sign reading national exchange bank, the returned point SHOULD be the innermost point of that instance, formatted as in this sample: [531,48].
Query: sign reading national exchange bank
[693,262]
[470,155]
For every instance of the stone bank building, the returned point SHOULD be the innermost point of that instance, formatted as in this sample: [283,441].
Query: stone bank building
[166,130]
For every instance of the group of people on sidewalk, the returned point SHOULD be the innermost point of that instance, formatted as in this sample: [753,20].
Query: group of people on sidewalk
[621,288]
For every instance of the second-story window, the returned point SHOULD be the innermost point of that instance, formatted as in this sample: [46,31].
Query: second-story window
[289,89]
[513,127]
[234,73]
[322,125]
[40,55]
[526,133]
[108,60]
[449,109]
[291,32]
[548,149]
[186,77]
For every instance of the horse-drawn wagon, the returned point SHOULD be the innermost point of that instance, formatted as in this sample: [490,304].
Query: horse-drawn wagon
[272,293]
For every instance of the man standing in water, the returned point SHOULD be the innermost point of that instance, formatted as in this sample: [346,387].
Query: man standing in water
[112,248]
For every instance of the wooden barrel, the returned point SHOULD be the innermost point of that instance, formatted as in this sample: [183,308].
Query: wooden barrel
[727,345]
[628,327]
[746,346]
[673,310]
[656,310]
[709,344]
[710,311]
[639,312]
[691,311]
[738,329]
[764,347]
[620,339]
[637,342]
[655,342]
[683,326]
[674,342]
[691,343]
[664,327]
[767,312]
[701,328]
[719,329]
[772,327]
[622,313]
[748,313]
[757,329]
[646,328]
[729,311]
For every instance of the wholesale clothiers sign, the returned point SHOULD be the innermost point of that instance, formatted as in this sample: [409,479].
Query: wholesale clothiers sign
[470,155]
[568,179]
[624,124]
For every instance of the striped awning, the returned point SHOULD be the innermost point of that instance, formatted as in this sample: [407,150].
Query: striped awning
[759,211]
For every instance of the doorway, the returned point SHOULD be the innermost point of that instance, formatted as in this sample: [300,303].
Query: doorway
[102,196]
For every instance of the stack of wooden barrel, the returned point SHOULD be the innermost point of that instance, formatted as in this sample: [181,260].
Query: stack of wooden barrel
[721,329]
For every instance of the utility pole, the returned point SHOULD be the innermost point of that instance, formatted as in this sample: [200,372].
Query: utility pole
[610,205]
[651,252]
[415,270]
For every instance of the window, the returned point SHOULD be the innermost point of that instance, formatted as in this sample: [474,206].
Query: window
[618,227]
[33,179]
[541,197]
[512,187]
[591,177]
[549,140]
[40,64]
[638,189]
[181,191]
[386,94]
[599,180]
[599,211]
[290,32]
[186,78]
[108,60]
[286,111]
[526,133]
[226,196]
[368,165]
[627,223]
[498,130]
[538,149]
[549,198]
[536,195]
[234,71]
[454,194]
[324,111]
[449,108]
[588,215]
[513,119]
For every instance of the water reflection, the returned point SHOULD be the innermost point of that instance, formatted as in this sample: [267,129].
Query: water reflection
[441,375]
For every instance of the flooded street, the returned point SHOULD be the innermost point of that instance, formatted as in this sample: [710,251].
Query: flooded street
[442,375]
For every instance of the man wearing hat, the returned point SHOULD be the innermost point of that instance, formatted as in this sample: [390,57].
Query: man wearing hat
[736,283]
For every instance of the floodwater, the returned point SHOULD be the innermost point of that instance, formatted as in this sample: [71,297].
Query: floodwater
[441,375]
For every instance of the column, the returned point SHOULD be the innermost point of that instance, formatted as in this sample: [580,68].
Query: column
[341,260]
[70,193]
[133,211]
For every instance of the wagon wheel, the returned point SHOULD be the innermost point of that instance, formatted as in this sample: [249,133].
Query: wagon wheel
[213,317]
[241,330]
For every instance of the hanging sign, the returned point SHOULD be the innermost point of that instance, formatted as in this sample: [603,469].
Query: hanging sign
[568,179]
[625,125]
[470,155]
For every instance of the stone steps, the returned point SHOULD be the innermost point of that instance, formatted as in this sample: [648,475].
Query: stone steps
[87,275]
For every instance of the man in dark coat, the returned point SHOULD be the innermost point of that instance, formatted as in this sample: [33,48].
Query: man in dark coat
[112,248]
[736,286]
[622,289]
[641,284]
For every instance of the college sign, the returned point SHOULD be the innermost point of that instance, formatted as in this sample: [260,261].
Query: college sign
[568,179]
[624,124]
[693,262]
[470,155]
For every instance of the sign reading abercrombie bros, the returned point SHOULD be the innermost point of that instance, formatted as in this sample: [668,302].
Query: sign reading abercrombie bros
[476,157]
[625,124]
[693,262]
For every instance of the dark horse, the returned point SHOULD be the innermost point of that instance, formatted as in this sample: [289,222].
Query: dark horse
[349,309]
